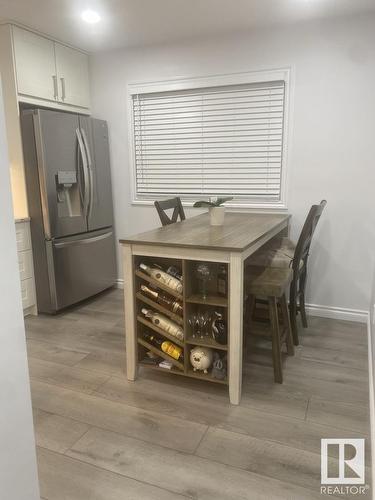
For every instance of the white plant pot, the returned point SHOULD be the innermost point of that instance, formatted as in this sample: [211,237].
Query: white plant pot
[217,216]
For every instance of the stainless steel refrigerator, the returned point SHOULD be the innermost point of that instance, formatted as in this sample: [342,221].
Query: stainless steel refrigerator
[70,203]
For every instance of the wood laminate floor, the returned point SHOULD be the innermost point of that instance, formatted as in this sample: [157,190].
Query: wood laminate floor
[100,437]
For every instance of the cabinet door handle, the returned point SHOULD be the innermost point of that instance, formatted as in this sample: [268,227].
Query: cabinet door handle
[55,89]
[63,88]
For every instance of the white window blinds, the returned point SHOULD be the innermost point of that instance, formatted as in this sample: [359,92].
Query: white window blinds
[208,142]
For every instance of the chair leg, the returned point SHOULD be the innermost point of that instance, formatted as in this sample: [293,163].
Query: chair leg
[276,348]
[293,311]
[302,286]
[286,324]
[249,309]
[302,309]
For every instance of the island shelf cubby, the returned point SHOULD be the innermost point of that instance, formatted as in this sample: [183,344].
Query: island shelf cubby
[191,301]
[151,303]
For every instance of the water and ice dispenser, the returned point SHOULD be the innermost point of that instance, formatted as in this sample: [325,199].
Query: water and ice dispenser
[68,195]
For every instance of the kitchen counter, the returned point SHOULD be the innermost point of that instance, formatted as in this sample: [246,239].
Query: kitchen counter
[22,219]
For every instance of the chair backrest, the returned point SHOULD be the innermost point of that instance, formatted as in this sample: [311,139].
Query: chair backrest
[304,241]
[173,203]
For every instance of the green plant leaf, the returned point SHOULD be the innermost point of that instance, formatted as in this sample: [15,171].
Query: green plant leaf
[203,203]
[220,201]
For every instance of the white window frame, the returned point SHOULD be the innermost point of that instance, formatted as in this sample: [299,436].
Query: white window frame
[283,74]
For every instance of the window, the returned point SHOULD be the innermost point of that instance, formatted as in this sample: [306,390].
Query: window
[210,141]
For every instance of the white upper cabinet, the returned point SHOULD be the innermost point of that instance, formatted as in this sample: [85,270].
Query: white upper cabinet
[35,64]
[73,76]
[48,70]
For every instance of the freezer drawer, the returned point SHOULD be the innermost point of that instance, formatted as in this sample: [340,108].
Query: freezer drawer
[82,266]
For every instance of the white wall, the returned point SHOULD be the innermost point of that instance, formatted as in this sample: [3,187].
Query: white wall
[18,473]
[331,142]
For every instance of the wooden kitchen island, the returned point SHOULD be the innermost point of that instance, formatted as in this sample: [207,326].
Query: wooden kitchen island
[182,245]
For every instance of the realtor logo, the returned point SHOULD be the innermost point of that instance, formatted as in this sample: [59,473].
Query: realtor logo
[351,461]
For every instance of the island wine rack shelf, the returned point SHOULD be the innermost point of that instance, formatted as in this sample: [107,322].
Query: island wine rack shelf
[193,306]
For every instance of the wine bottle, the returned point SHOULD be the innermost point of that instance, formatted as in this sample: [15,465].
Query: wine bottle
[163,277]
[176,273]
[164,323]
[222,280]
[219,329]
[162,298]
[168,347]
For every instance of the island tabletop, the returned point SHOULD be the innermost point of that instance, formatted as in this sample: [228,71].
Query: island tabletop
[184,245]
[239,232]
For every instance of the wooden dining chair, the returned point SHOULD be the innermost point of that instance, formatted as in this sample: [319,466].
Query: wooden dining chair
[283,252]
[299,266]
[171,204]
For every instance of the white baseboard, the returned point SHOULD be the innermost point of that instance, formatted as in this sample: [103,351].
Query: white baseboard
[371,391]
[120,283]
[342,313]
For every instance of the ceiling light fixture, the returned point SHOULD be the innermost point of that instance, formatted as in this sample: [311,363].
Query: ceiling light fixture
[90,16]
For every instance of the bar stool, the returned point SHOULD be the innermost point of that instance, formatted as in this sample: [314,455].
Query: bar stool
[271,284]
[282,252]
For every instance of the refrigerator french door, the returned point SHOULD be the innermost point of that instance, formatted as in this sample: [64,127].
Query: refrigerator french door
[70,204]
[95,136]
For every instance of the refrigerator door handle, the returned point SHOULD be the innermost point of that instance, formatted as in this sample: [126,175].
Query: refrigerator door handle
[86,179]
[83,241]
[89,163]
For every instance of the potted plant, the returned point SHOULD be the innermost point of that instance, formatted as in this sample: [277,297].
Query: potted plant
[217,211]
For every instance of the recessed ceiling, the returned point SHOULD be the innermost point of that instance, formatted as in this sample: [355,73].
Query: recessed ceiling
[127,23]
